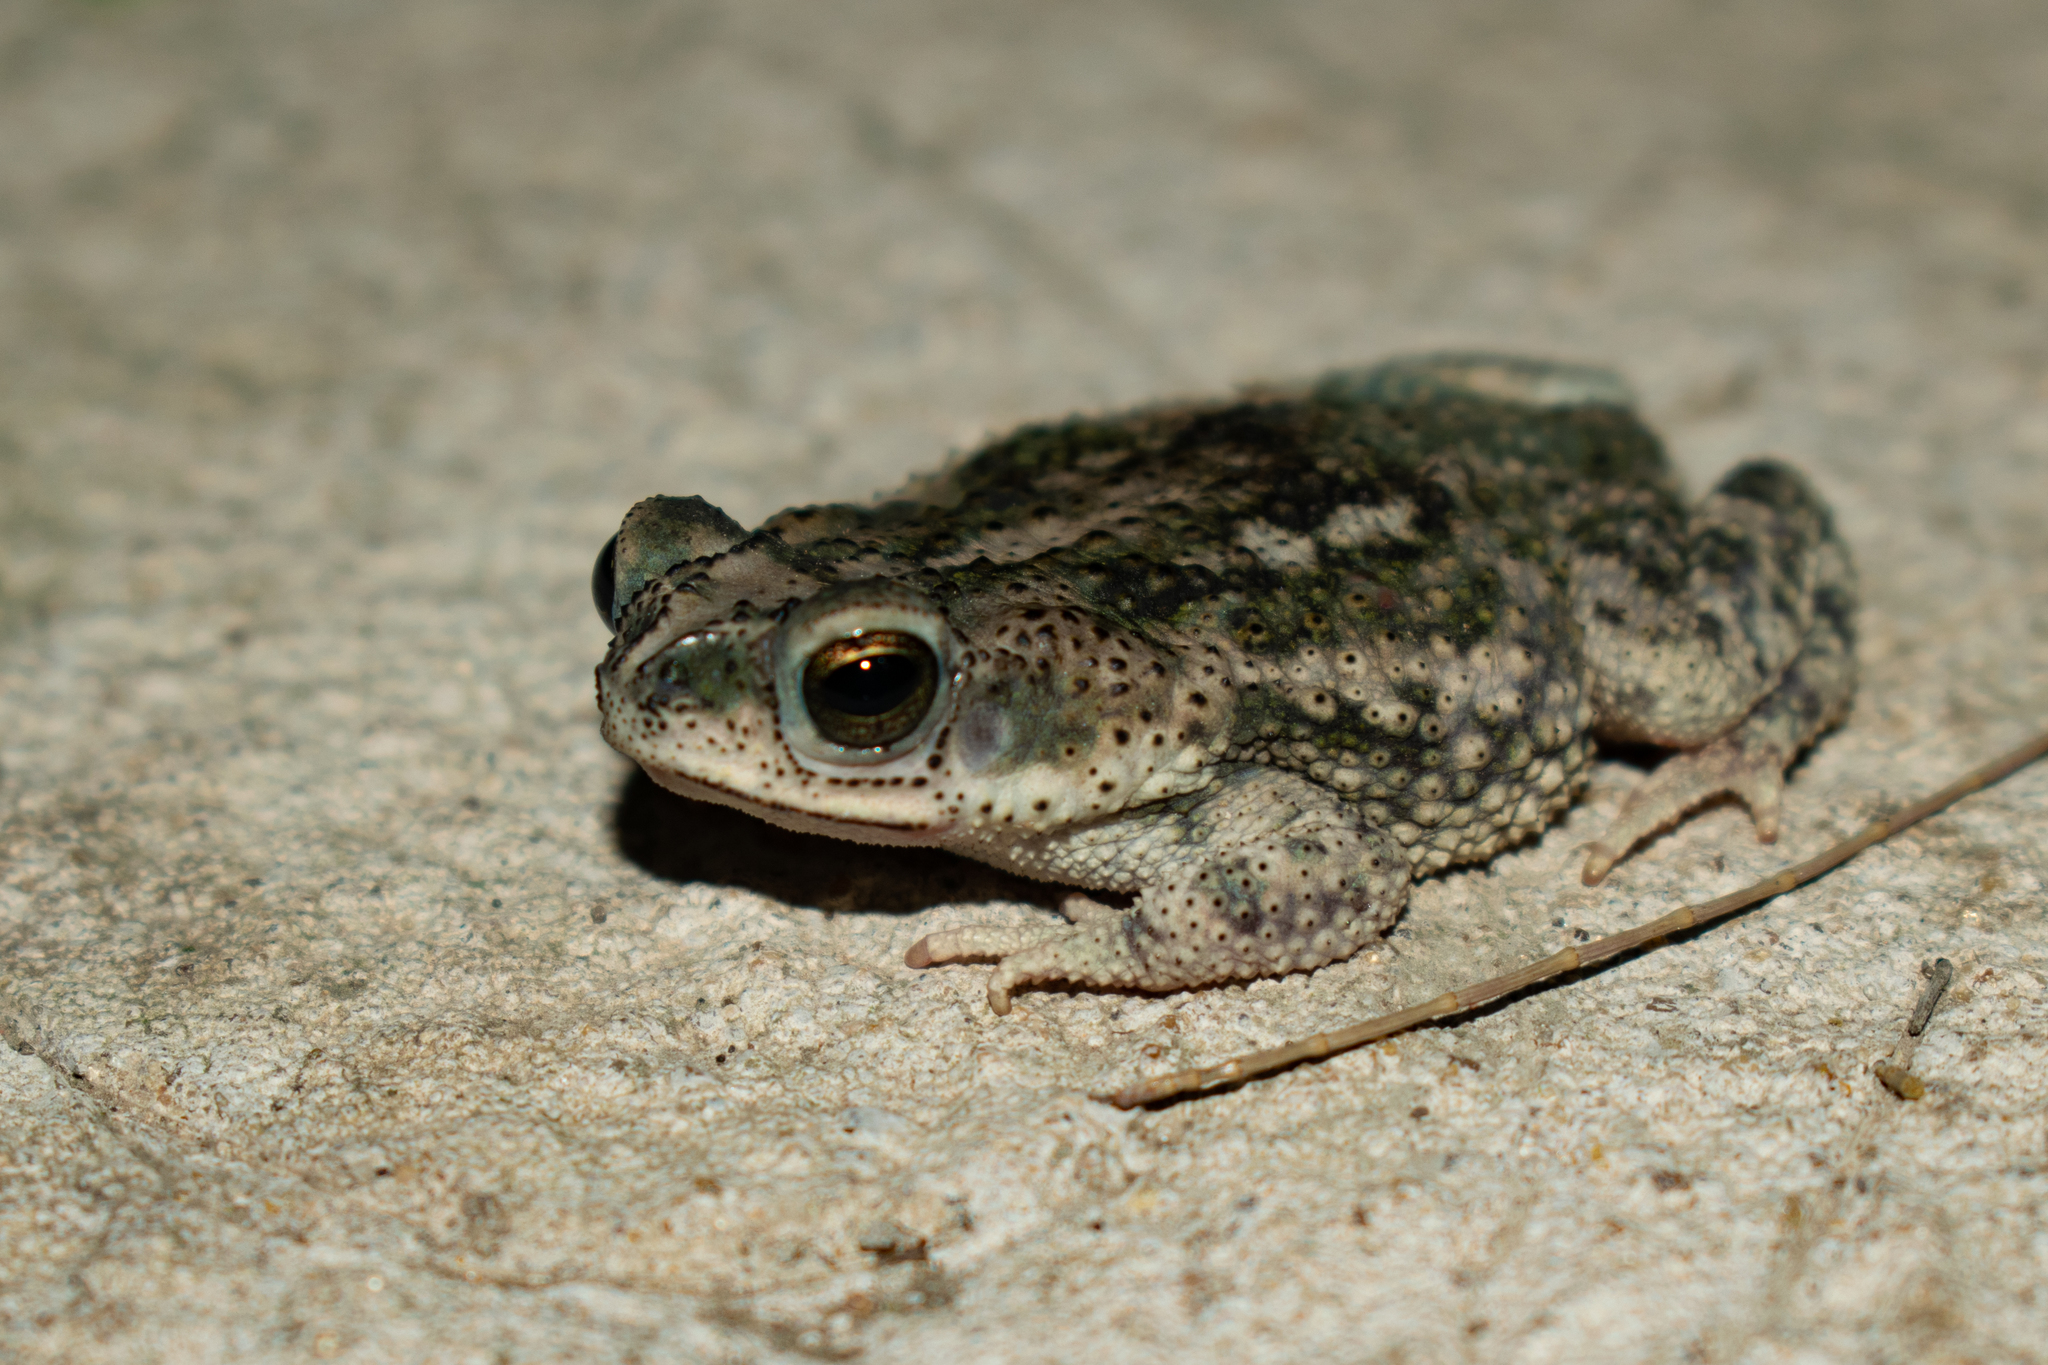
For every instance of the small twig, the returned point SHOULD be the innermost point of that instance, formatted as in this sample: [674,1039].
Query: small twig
[1240,1069]
[1895,1071]
[1943,973]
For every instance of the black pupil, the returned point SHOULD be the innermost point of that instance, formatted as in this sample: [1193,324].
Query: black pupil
[869,691]
[874,685]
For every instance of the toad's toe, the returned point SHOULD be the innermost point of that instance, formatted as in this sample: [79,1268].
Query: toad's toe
[1754,772]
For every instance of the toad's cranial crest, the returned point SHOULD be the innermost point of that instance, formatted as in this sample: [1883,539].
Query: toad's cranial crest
[1252,664]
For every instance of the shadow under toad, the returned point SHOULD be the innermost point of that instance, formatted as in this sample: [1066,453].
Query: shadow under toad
[681,840]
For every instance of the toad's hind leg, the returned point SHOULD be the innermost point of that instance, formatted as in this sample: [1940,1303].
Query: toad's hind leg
[1263,873]
[1770,578]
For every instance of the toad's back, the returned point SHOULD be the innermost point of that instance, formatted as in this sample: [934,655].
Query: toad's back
[1372,581]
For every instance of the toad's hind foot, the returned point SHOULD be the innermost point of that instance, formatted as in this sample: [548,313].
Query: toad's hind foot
[1753,772]
[1750,760]
[1749,757]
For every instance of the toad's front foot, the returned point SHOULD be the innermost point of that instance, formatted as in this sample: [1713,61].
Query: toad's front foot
[1267,873]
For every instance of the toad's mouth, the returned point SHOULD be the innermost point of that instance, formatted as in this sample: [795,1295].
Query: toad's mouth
[838,824]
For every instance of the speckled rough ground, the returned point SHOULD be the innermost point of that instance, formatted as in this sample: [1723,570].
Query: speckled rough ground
[360,1004]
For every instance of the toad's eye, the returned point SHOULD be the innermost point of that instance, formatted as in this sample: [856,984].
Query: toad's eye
[870,690]
[863,674]
[602,580]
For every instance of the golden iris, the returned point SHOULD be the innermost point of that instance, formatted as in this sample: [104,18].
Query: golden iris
[869,690]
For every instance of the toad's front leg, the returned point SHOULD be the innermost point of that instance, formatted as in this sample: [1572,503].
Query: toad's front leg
[1264,872]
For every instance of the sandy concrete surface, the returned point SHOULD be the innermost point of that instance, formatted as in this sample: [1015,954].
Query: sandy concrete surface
[361,1005]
